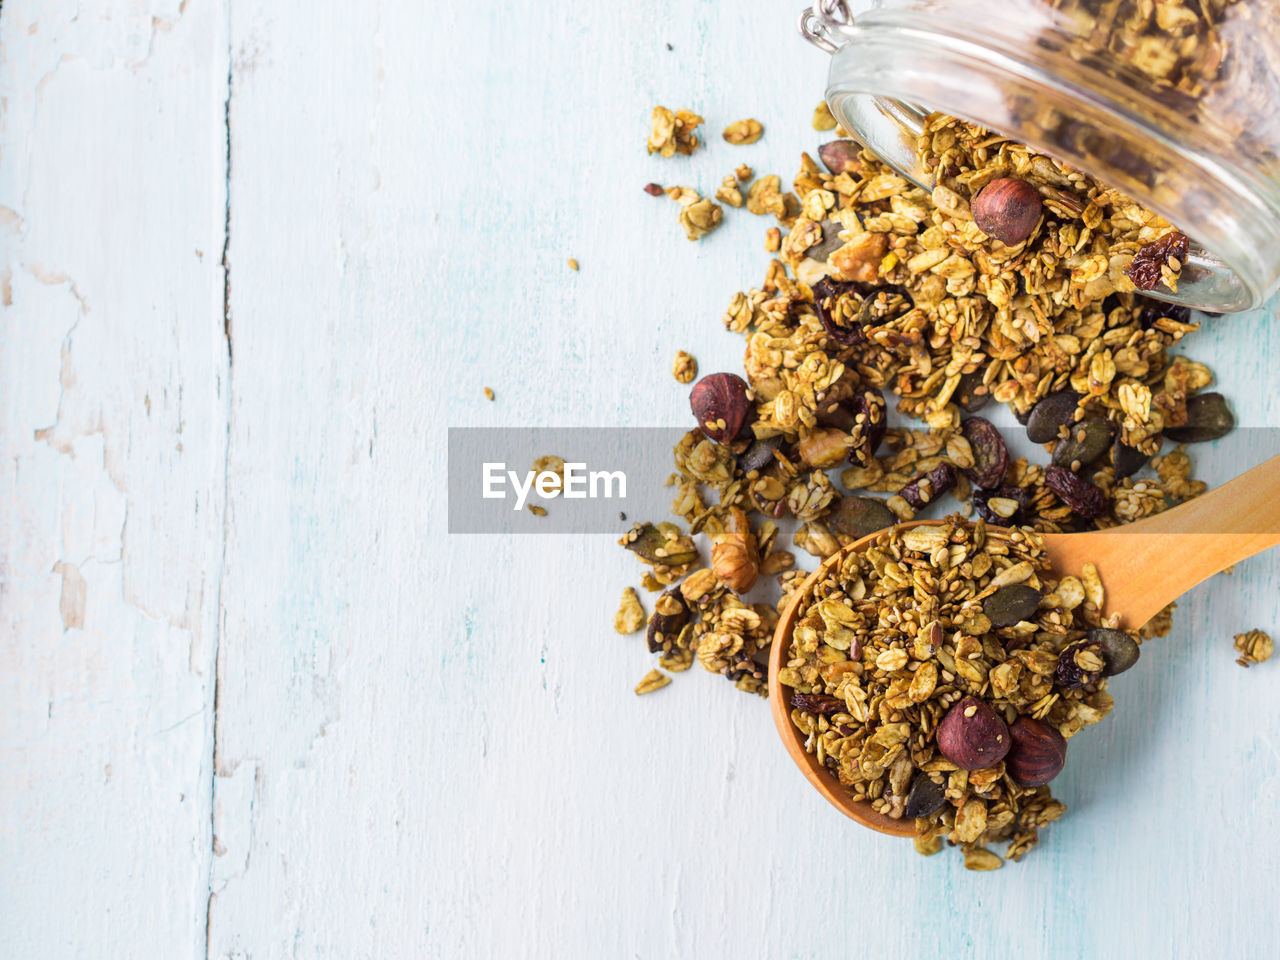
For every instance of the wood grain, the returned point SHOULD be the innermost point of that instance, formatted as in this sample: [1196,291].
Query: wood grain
[427,746]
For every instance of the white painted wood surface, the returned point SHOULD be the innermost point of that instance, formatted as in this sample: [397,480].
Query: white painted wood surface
[424,745]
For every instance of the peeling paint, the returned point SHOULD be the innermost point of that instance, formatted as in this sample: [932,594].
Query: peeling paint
[74,592]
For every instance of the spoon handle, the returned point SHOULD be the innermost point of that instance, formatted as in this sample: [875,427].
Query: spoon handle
[1148,564]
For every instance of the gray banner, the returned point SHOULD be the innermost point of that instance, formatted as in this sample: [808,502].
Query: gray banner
[614,477]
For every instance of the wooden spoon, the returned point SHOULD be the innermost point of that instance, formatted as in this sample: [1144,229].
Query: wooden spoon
[1144,566]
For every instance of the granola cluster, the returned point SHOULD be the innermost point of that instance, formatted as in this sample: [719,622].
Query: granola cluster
[925,630]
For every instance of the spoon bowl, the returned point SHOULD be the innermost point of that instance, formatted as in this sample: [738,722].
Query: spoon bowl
[1145,566]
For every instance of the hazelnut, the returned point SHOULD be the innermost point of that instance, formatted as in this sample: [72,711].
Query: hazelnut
[1037,754]
[1008,209]
[972,735]
[841,156]
[735,557]
[720,404]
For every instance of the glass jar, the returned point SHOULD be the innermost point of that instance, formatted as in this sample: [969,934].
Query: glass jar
[1171,101]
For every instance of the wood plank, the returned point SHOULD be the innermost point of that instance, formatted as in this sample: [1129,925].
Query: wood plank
[112,471]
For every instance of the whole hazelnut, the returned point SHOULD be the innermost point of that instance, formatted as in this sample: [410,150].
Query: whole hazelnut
[735,556]
[972,735]
[841,156]
[1037,754]
[1008,209]
[720,404]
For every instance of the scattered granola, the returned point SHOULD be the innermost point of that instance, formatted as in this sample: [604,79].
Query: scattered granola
[537,511]
[653,680]
[630,616]
[488,393]
[1254,646]
[743,132]
[654,189]
[822,118]
[940,674]
[728,191]
[773,240]
[684,368]
[673,132]
[573,264]
[698,215]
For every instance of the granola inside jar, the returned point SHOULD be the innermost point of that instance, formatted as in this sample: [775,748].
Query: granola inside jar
[1165,100]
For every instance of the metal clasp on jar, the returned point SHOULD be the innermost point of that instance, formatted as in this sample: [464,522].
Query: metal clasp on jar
[824,22]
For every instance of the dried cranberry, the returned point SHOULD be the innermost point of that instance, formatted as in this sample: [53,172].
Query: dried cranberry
[927,487]
[817,703]
[1144,271]
[990,455]
[1084,499]
[982,505]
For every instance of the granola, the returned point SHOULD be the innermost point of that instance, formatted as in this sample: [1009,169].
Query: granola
[880,290]
[743,131]
[653,680]
[1254,647]
[940,673]
[672,132]
[684,368]
[698,215]
[630,616]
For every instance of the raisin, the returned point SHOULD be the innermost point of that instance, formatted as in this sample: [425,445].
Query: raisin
[818,704]
[1069,674]
[1084,499]
[982,500]
[869,425]
[990,455]
[837,315]
[1152,312]
[1144,271]
[927,487]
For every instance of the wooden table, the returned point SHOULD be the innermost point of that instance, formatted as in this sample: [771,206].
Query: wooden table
[256,702]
